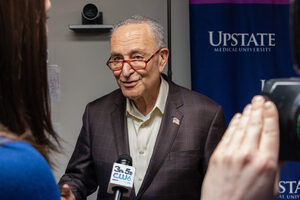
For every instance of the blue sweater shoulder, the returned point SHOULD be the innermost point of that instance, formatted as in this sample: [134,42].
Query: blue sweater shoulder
[24,173]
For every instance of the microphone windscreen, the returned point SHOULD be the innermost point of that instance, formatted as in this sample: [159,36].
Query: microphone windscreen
[125,159]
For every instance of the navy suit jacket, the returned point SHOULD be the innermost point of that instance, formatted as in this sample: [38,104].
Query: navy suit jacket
[180,156]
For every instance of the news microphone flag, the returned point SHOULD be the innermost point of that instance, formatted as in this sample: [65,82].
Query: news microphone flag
[235,46]
[122,176]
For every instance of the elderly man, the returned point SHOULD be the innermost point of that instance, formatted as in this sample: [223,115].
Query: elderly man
[169,131]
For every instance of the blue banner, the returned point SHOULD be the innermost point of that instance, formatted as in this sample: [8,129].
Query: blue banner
[289,184]
[235,46]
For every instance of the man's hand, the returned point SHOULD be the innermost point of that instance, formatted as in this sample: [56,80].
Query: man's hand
[66,193]
[245,162]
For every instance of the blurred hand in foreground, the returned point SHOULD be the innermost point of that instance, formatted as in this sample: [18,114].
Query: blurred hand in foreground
[66,193]
[245,162]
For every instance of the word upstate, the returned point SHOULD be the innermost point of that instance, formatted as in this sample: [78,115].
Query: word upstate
[241,39]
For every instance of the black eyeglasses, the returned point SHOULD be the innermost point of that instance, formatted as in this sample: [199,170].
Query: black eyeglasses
[136,64]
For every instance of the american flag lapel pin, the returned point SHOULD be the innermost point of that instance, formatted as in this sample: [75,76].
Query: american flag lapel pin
[176,121]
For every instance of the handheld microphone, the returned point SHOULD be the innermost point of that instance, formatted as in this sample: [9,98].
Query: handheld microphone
[122,176]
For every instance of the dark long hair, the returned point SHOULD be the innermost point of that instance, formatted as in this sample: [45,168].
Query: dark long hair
[24,99]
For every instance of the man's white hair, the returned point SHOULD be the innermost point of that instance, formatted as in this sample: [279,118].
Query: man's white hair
[156,28]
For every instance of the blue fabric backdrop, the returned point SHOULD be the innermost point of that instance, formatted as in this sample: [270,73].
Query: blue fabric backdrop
[235,46]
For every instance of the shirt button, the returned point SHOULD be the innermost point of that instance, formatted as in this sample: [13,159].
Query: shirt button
[140,179]
[141,152]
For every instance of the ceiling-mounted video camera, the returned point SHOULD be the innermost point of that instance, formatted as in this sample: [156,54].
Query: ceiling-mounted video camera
[285,93]
[91,15]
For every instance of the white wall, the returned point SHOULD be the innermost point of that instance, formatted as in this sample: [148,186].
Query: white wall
[82,57]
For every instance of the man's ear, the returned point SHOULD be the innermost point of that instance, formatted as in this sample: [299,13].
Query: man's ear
[163,58]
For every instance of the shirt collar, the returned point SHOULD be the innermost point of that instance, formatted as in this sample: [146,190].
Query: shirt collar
[159,104]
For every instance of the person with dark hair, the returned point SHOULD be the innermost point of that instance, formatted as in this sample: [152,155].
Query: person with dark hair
[169,131]
[26,133]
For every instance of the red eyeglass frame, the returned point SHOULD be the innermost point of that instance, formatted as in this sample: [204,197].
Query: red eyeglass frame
[128,61]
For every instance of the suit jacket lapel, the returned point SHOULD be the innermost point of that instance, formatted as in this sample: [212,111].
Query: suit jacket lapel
[120,130]
[119,125]
[167,133]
